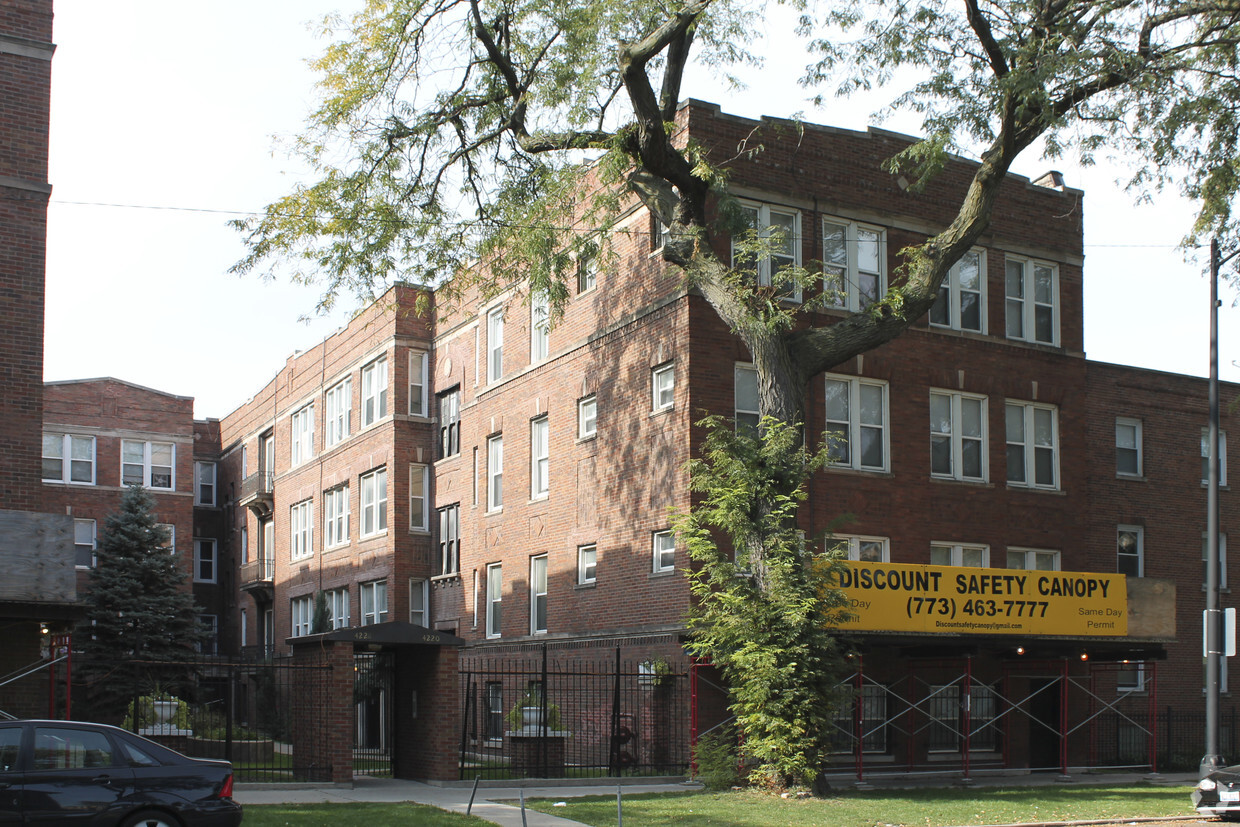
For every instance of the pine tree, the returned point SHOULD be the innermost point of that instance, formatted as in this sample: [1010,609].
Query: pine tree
[138,611]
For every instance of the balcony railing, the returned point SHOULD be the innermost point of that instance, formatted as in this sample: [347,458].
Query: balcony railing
[258,573]
[257,493]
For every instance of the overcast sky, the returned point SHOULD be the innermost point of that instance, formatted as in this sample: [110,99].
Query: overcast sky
[165,124]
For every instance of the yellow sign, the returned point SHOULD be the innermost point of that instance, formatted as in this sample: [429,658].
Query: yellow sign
[893,597]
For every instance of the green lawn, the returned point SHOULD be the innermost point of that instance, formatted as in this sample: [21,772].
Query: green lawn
[348,815]
[923,808]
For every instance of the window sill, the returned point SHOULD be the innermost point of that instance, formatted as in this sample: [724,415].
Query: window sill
[663,411]
[848,469]
[491,512]
[663,573]
[449,458]
[587,438]
[362,538]
[1034,489]
[1131,477]
[588,585]
[540,498]
[440,578]
[419,531]
[957,480]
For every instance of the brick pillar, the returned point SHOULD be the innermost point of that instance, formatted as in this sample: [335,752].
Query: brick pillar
[322,700]
[428,739]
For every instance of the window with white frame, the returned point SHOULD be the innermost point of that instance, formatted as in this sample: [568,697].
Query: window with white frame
[336,516]
[538,595]
[1222,558]
[540,458]
[1033,559]
[338,608]
[69,458]
[856,423]
[1127,447]
[419,489]
[958,436]
[450,539]
[374,502]
[861,549]
[1130,676]
[204,483]
[776,233]
[167,537]
[961,301]
[959,554]
[540,326]
[587,564]
[1205,457]
[374,602]
[495,599]
[418,365]
[854,258]
[337,412]
[1032,445]
[148,464]
[745,396]
[418,602]
[84,543]
[587,273]
[301,529]
[449,422]
[664,549]
[663,387]
[1032,301]
[302,426]
[1130,550]
[302,611]
[495,472]
[244,542]
[374,391]
[495,344]
[204,560]
[587,417]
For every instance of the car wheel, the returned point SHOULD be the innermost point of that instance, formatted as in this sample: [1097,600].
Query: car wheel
[150,818]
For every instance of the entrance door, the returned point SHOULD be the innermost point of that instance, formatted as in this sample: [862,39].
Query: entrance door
[1044,709]
[373,673]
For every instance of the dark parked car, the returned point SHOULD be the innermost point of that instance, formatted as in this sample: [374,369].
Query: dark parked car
[71,773]
[1218,794]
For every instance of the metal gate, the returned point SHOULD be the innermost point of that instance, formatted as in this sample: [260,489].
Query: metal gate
[373,704]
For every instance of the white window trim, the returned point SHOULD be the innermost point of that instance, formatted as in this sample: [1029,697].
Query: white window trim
[94,540]
[171,529]
[301,530]
[952,282]
[851,294]
[422,475]
[421,589]
[587,426]
[1140,554]
[1030,449]
[301,436]
[495,473]
[66,458]
[1222,454]
[540,326]
[956,553]
[338,608]
[449,541]
[744,373]
[582,577]
[1030,554]
[663,383]
[659,550]
[148,465]
[375,383]
[540,458]
[855,425]
[199,544]
[763,263]
[375,588]
[495,344]
[377,505]
[336,516]
[494,598]
[199,467]
[957,438]
[419,392]
[854,542]
[448,404]
[301,612]
[338,412]
[1135,424]
[535,594]
[1137,687]
[1028,304]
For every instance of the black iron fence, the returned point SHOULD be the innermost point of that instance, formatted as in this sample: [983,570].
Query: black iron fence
[525,716]
[251,712]
[1124,740]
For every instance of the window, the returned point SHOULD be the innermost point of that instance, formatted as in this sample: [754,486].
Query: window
[69,458]
[302,610]
[495,596]
[1130,676]
[245,544]
[1032,299]
[664,545]
[1222,558]
[745,396]
[587,417]
[587,564]
[948,554]
[495,344]
[336,516]
[338,608]
[1032,559]
[1205,457]
[204,483]
[1130,550]
[418,361]
[780,231]
[168,537]
[495,473]
[947,723]
[84,543]
[1127,447]
[204,561]
[958,436]
[149,464]
[1032,440]
[872,701]
[62,749]
[538,595]
[663,387]
[374,602]
[419,485]
[337,413]
[301,533]
[374,502]
[540,460]
[209,645]
[267,548]
[374,391]
[540,326]
[418,602]
[587,273]
[854,260]
[449,539]
[302,425]
[450,423]
[856,415]
[862,549]
[961,302]
[493,722]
